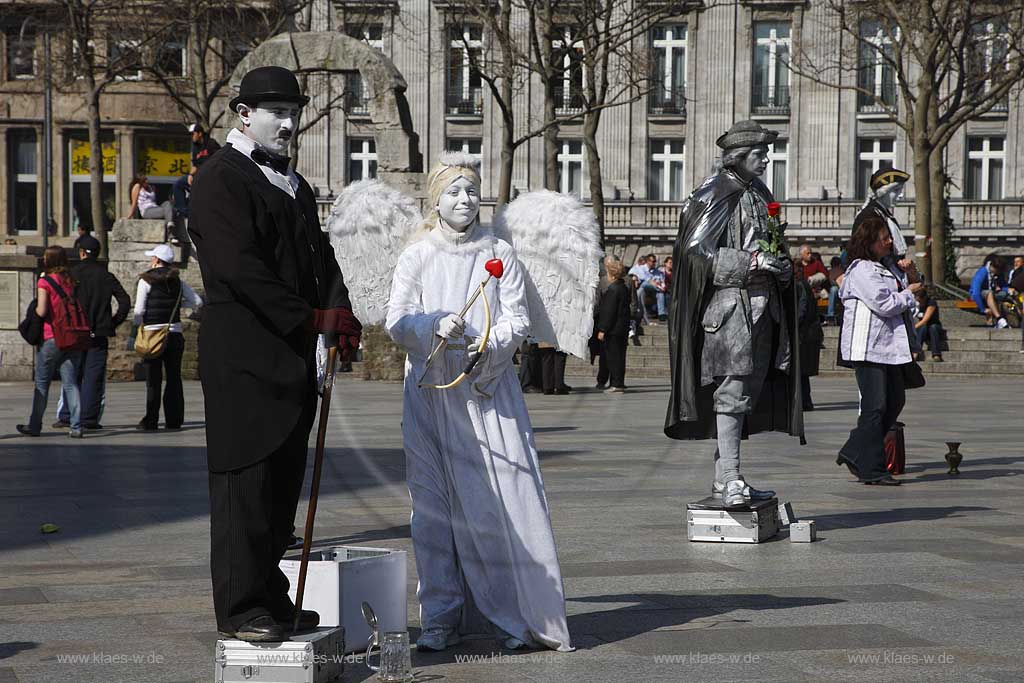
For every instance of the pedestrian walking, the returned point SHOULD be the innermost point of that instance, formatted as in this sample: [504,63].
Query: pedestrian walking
[159,298]
[875,341]
[612,328]
[56,305]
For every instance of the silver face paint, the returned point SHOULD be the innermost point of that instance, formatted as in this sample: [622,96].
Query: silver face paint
[271,124]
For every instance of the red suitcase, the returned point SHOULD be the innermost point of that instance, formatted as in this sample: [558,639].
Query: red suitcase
[895,450]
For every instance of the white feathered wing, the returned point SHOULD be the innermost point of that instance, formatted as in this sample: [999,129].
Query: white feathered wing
[368,226]
[558,242]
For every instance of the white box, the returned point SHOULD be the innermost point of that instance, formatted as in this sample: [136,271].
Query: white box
[315,657]
[340,579]
[786,514]
[802,531]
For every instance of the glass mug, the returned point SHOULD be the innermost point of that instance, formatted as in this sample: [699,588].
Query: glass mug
[395,661]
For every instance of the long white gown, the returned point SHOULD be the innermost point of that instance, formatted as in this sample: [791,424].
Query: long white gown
[479,515]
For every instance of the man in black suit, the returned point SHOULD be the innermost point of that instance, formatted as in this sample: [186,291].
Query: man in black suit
[272,283]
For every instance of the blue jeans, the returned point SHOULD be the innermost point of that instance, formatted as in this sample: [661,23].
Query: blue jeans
[658,295]
[179,192]
[833,297]
[92,383]
[48,358]
[934,333]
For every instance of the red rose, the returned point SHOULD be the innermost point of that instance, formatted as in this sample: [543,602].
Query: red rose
[774,208]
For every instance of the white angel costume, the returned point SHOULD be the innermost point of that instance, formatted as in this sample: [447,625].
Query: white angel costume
[480,525]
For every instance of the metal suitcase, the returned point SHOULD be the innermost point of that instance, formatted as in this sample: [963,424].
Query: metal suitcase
[707,520]
[315,657]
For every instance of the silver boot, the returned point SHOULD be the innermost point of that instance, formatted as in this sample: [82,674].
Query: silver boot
[749,492]
[733,496]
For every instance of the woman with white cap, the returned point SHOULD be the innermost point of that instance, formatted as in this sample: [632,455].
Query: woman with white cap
[481,530]
[159,298]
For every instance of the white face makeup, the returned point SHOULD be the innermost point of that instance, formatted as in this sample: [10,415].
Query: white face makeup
[271,124]
[459,204]
[889,194]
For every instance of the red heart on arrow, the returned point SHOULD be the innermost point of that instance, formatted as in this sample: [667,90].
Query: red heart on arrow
[495,267]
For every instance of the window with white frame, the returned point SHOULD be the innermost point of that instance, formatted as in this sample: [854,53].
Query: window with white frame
[362,159]
[171,58]
[873,154]
[370,33]
[471,146]
[771,71]
[23,153]
[569,89]
[775,176]
[21,45]
[665,170]
[986,158]
[79,206]
[124,57]
[668,87]
[465,86]
[570,167]
[876,74]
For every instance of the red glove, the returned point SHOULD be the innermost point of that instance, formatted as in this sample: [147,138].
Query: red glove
[347,346]
[339,321]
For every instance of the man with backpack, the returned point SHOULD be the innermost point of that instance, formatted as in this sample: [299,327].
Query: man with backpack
[95,288]
[66,335]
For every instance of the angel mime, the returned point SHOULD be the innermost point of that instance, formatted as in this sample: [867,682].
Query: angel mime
[481,529]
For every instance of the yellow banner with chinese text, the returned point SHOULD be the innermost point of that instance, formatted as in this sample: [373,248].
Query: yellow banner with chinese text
[80,157]
[163,157]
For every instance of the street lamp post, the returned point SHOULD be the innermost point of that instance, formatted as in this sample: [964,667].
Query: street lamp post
[47,142]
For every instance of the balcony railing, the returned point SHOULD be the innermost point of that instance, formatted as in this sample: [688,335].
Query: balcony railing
[667,101]
[771,99]
[883,101]
[569,101]
[465,101]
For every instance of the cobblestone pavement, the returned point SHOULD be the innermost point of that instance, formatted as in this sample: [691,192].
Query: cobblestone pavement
[918,583]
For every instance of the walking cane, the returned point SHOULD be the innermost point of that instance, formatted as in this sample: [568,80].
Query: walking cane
[314,492]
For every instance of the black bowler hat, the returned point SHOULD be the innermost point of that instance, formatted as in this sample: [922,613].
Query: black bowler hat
[268,83]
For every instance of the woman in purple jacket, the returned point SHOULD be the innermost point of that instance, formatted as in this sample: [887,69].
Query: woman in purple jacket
[876,341]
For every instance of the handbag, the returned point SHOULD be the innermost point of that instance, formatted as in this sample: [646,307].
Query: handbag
[913,377]
[31,327]
[151,343]
[895,450]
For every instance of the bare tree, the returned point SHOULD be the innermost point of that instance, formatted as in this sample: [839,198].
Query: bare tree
[951,60]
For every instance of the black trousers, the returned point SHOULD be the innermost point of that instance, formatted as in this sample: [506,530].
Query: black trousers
[612,365]
[252,514]
[174,396]
[552,369]
[882,397]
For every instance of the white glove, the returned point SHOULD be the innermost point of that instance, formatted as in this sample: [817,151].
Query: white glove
[450,326]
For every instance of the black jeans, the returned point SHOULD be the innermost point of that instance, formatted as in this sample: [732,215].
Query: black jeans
[552,369]
[252,514]
[882,398]
[612,366]
[174,395]
[92,382]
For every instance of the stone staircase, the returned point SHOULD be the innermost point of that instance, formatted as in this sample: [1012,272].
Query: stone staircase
[973,351]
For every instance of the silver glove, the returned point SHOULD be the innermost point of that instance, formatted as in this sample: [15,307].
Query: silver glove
[781,268]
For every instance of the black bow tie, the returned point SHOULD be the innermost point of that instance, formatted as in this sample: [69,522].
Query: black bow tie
[264,158]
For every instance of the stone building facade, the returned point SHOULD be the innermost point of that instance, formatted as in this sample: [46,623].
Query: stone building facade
[715,65]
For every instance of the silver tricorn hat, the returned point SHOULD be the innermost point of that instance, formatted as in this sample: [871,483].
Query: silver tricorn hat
[746,134]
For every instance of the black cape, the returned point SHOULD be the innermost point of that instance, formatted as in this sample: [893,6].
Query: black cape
[266,264]
[703,223]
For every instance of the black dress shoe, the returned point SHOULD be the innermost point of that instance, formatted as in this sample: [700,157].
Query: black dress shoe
[61,424]
[887,480]
[259,630]
[562,391]
[92,427]
[23,429]
[146,427]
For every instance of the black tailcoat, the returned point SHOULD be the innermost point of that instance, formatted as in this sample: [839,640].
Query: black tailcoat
[266,264]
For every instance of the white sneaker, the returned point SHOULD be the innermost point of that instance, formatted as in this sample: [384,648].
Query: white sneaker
[1001,323]
[437,639]
[733,496]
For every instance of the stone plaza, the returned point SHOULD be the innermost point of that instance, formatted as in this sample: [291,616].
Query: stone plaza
[915,583]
